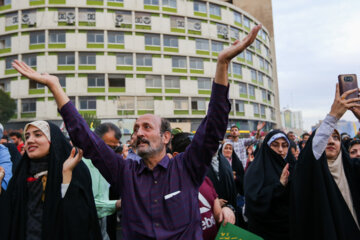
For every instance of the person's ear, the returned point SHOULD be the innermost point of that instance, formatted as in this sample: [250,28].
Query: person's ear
[167,137]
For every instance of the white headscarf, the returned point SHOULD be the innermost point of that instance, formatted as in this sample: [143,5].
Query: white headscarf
[42,125]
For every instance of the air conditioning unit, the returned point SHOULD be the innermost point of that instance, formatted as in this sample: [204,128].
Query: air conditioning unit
[91,17]
[70,18]
[119,19]
[31,23]
[25,18]
[61,16]
[147,20]
[197,26]
[226,36]
[15,19]
[180,23]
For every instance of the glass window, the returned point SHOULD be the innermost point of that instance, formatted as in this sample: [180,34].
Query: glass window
[143,60]
[241,55]
[243,88]
[11,19]
[222,30]
[260,78]
[217,46]
[181,103]
[5,42]
[87,103]
[124,59]
[57,36]
[256,108]
[172,82]
[204,83]
[239,106]
[152,39]
[62,80]
[196,63]
[253,74]
[8,61]
[266,66]
[237,69]
[257,44]
[234,33]
[153,81]
[151,2]
[261,63]
[237,17]
[5,2]
[199,6]
[246,22]
[29,59]
[177,22]
[126,103]
[95,37]
[116,80]
[202,44]
[116,37]
[198,104]
[194,24]
[37,37]
[5,85]
[263,94]
[270,83]
[35,85]
[120,1]
[215,10]
[178,62]
[96,80]
[87,15]
[171,41]
[252,90]
[87,58]
[145,103]
[142,18]
[66,15]
[169,3]
[28,105]
[249,56]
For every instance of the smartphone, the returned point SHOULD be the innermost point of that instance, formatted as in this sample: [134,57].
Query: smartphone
[348,82]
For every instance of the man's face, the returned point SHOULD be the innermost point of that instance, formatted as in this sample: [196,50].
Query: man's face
[355,151]
[291,136]
[110,139]
[147,137]
[234,132]
[333,146]
[15,140]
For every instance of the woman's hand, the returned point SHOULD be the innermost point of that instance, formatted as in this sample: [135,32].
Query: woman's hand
[284,178]
[341,104]
[70,164]
[227,215]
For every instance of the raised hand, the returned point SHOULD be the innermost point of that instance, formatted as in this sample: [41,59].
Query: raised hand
[238,46]
[260,125]
[30,73]
[356,111]
[284,178]
[70,164]
[341,104]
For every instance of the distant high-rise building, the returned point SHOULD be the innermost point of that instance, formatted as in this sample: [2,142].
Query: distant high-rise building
[291,119]
[118,59]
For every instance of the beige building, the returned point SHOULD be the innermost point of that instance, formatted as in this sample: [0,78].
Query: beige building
[118,59]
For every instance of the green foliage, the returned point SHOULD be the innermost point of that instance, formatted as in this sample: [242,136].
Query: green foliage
[91,120]
[7,107]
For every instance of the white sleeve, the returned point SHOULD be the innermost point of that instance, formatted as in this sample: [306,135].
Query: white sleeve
[322,135]
[64,188]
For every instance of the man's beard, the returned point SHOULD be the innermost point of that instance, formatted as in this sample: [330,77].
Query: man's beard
[149,151]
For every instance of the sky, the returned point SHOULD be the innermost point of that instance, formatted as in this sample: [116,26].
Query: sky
[315,41]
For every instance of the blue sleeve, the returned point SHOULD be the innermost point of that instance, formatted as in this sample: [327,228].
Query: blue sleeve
[6,163]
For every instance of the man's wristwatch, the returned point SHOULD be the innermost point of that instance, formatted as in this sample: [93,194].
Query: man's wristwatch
[231,207]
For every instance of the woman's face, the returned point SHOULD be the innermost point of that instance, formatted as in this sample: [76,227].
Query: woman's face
[280,146]
[36,143]
[333,146]
[228,149]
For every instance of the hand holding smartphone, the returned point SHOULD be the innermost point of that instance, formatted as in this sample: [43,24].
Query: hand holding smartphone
[348,82]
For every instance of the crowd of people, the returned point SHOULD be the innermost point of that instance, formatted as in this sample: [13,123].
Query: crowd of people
[170,184]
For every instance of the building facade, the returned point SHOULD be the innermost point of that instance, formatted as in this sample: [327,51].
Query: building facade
[118,59]
[292,121]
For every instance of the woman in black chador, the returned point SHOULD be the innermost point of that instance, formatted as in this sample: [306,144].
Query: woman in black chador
[267,188]
[48,198]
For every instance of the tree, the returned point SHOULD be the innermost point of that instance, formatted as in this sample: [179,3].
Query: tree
[7,107]
[91,120]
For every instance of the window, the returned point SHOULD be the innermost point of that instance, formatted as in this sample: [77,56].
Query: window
[243,88]
[249,56]
[241,55]
[178,62]
[260,78]
[204,83]
[28,105]
[95,37]
[96,80]
[37,37]
[87,58]
[116,80]
[66,15]
[142,18]
[253,74]
[217,46]
[194,24]
[215,10]
[196,63]
[11,19]
[263,95]
[262,110]
[237,69]
[5,85]
[169,3]
[29,17]
[125,103]
[145,103]
[261,63]
[270,83]
[172,82]
[87,15]
[66,58]
[257,44]
[239,106]
[123,17]
[119,1]
[8,61]
[62,80]
[124,59]
[256,108]
[57,36]
[272,113]
[5,2]
[177,22]
[152,40]
[199,6]
[181,103]
[198,104]
[35,85]
[266,66]
[246,22]
[5,42]
[202,44]
[116,37]
[153,81]
[237,17]
[171,41]
[151,2]
[222,30]
[251,90]
[143,60]
[87,103]
[29,59]
[234,33]
[267,52]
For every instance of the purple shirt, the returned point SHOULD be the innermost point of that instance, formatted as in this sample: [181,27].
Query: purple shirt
[161,203]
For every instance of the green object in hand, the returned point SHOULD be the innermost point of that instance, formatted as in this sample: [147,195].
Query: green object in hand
[232,232]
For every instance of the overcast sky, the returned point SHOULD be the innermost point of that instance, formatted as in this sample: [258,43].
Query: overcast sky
[315,41]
